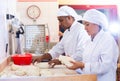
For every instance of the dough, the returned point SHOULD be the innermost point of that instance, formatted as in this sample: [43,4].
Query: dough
[15,67]
[59,73]
[46,72]
[20,72]
[28,70]
[66,60]
[32,71]
[42,65]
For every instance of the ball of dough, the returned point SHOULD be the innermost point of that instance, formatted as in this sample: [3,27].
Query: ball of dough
[42,65]
[20,72]
[32,71]
[66,60]
[15,67]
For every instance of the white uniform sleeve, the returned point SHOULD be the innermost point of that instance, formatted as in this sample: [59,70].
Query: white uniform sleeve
[57,50]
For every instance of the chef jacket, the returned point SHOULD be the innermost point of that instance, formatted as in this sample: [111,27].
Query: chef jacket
[100,57]
[72,43]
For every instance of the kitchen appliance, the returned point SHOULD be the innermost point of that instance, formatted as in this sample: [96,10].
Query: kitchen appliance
[36,38]
[15,30]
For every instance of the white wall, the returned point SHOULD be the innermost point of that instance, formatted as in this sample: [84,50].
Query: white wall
[3,39]
[48,16]
[89,2]
[6,6]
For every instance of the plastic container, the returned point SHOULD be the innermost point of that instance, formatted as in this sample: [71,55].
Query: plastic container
[22,59]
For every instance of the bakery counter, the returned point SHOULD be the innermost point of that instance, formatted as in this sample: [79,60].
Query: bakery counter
[54,78]
[39,72]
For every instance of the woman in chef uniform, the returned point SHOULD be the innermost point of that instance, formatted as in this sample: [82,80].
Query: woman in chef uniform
[73,40]
[101,54]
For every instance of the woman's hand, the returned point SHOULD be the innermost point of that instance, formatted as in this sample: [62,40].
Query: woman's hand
[76,65]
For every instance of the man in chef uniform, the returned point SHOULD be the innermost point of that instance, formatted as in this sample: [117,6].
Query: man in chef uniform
[74,38]
[101,54]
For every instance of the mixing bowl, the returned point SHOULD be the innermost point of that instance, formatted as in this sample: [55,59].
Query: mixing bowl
[22,59]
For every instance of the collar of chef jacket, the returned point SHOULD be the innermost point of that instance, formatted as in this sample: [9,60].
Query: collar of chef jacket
[72,26]
[98,36]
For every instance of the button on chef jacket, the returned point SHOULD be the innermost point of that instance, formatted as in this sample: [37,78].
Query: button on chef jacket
[72,43]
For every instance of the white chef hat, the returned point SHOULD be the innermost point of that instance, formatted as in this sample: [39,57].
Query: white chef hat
[67,11]
[96,17]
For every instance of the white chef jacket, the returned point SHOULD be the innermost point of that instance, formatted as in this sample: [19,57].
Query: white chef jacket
[100,57]
[72,43]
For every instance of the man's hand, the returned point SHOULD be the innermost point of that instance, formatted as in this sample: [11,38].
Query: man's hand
[45,56]
[37,59]
[54,62]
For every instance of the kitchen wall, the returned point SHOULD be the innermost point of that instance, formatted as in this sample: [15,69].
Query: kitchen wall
[6,6]
[48,15]
[89,2]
